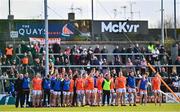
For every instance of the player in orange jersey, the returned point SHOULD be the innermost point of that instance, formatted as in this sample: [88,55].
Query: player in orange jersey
[79,83]
[120,84]
[112,87]
[90,89]
[99,87]
[37,90]
[156,84]
[71,90]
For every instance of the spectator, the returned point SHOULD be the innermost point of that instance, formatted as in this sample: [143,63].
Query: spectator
[173,74]
[9,52]
[155,56]
[97,50]
[24,47]
[177,62]
[143,65]
[136,50]
[130,50]
[151,48]
[129,65]
[123,57]
[56,48]
[25,61]
[176,84]
[116,50]
[163,72]
[37,47]
[104,50]
[164,59]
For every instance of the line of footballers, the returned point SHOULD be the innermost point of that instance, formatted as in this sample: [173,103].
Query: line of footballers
[94,89]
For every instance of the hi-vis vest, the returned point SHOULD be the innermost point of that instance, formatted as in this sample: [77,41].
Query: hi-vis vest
[9,51]
[25,60]
[106,85]
[151,48]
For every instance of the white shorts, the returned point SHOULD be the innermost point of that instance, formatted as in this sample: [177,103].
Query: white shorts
[57,92]
[51,91]
[99,91]
[143,92]
[95,90]
[92,91]
[37,92]
[158,92]
[112,91]
[89,91]
[80,92]
[66,93]
[71,93]
[121,90]
[130,90]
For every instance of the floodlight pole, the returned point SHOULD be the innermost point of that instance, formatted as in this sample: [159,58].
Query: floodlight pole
[162,23]
[175,32]
[46,38]
[92,21]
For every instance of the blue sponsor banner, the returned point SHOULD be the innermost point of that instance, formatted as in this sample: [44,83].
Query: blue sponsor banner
[38,30]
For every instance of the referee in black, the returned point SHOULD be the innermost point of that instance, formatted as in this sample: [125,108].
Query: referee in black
[19,90]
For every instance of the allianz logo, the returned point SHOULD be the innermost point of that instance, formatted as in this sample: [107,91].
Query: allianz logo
[120,27]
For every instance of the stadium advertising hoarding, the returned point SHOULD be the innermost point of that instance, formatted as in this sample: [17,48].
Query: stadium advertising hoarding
[67,30]
[170,100]
[42,40]
[118,27]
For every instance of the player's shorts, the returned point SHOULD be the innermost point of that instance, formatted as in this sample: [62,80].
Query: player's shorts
[121,90]
[66,93]
[37,92]
[112,91]
[130,90]
[99,91]
[71,93]
[80,91]
[95,90]
[57,92]
[143,92]
[157,91]
[52,91]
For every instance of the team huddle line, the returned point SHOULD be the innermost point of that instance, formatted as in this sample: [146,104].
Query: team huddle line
[94,89]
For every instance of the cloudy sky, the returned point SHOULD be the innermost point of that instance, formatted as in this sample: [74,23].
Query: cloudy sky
[103,9]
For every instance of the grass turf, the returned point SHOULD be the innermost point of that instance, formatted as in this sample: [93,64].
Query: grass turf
[138,108]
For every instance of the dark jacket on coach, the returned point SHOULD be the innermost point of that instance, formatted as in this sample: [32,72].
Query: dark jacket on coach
[18,85]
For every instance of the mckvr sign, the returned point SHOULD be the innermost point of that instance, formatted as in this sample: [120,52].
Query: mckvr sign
[115,27]
[119,27]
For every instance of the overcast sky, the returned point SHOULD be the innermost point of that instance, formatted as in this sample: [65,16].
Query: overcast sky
[103,9]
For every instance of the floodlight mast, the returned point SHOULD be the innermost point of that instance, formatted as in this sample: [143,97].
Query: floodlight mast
[46,38]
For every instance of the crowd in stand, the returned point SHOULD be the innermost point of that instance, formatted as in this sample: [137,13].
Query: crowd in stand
[31,58]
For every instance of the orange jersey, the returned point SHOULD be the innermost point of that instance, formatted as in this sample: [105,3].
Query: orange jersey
[80,84]
[156,82]
[85,83]
[71,87]
[37,83]
[99,83]
[120,82]
[112,83]
[90,83]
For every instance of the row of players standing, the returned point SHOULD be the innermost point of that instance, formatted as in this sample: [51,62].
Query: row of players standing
[83,89]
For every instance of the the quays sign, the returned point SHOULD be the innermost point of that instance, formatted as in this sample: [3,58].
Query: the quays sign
[38,30]
[114,27]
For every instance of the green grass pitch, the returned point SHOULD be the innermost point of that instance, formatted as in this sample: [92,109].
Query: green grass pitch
[148,108]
